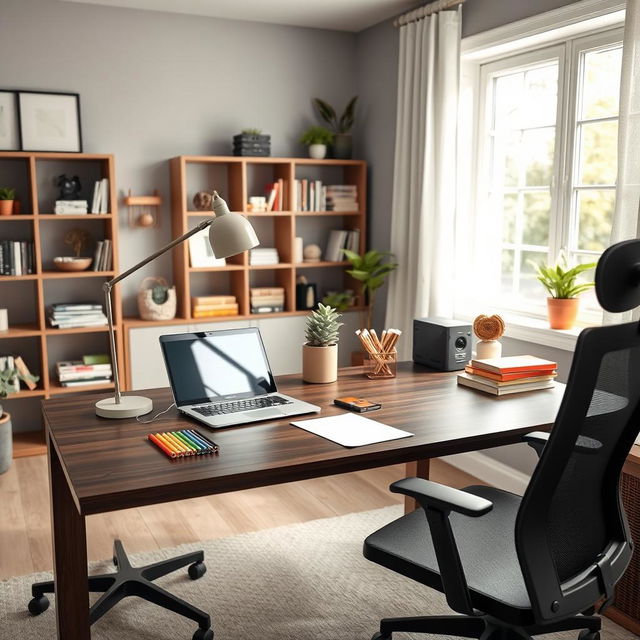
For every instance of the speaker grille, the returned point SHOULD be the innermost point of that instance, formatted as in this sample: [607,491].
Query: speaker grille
[628,589]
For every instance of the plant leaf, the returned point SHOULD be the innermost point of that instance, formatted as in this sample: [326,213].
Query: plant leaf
[326,111]
[346,121]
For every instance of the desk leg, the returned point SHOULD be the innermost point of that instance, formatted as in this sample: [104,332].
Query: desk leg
[418,469]
[69,556]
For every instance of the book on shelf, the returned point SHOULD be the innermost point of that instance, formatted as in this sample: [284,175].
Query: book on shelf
[266,291]
[77,316]
[17,258]
[231,310]
[267,299]
[74,373]
[7,363]
[514,364]
[276,308]
[100,201]
[263,255]
[466,381]
[213,306]
[271,191]
[102,257]
[339,240]
[492,382]
[71,207]
[23,370]
[506,377]
[212,300]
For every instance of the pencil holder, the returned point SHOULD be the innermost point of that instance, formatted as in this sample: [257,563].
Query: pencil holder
[380,365]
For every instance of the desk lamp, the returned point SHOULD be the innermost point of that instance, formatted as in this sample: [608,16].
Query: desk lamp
[229,234]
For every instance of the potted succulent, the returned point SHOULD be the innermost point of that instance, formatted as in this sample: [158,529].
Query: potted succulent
[561,282]
[7,198]
[320,351]
[317,138]
[342,142]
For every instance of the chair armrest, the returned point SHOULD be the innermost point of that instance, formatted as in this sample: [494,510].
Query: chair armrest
[432,495]
[538,439]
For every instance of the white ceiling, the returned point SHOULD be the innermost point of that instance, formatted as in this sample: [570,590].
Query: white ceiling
[342,15]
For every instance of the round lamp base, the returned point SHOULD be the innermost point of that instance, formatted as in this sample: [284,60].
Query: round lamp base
[128,407]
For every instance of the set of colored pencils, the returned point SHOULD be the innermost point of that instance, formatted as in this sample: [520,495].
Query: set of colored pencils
[186,442]
[382,349]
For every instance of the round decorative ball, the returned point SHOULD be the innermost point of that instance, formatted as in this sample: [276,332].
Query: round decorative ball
[488,327]
[312,253]
[202,201]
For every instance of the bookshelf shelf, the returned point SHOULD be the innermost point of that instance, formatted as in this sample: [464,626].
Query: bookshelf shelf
[265,267]
[229,267]
[325,214]
[32,173]
[321,265]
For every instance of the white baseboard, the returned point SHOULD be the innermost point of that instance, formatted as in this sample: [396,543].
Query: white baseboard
[490,471]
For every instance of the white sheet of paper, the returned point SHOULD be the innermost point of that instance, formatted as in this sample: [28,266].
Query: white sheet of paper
[351,430]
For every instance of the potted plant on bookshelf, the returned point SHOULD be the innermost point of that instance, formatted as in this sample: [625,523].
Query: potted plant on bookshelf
[561,282]
[316,139]
[342,142]
[7,199]
[320,351]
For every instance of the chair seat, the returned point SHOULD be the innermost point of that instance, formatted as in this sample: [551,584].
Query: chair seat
[487,550]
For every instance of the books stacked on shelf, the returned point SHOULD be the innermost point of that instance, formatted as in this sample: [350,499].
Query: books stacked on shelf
[212,306]
[252,144]
[339,240]
[71,207]
[309,195]
[342,197]
[274,192]
[17,364]
[90,370]
[267,299]
[102,259]
[263,255]
[514,374]
[17,258]
[100,202]
[77,315]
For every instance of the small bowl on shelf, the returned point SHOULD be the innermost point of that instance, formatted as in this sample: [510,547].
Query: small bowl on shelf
[68,263]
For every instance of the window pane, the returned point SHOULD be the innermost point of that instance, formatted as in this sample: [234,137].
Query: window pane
[540,96]
[588,299]
[507,271]
[601,83]
[510,204]
[537,206]
[538,145]
[505,159]
[530,287]
[595,214]
[508,97]
[598,153]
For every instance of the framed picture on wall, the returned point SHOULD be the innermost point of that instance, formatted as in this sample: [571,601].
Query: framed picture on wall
[201,253]
[9,121]
[50,121]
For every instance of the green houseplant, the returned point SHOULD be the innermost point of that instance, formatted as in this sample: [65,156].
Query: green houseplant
[316,138]
[340,300]
[7,198]
[342,143]
[320,350]
[372,270]
[561,282]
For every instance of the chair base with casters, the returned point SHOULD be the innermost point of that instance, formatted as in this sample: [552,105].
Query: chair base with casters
[136,581]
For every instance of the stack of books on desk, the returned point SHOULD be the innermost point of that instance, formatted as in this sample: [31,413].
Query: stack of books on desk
[212,306]
[267,299]
[514,374]
[80,373]
[77,315]
[264,255]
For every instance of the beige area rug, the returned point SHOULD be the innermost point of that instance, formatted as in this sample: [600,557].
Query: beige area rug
[306,581]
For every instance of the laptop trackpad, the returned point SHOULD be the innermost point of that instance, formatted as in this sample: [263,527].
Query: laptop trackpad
[265,414]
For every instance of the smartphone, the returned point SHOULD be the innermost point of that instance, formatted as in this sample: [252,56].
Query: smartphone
[356,404]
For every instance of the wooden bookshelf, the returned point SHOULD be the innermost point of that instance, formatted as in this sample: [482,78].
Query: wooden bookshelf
[27,296]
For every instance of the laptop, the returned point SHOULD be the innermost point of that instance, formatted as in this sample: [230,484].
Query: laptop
[223,378]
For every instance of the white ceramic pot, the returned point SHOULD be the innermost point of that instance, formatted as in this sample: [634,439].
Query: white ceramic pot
[317,151]
[320,364]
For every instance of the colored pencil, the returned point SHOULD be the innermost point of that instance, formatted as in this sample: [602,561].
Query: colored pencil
[169,444]
[198,445]
[211,442]
[186,441]
[178,444]
[199,439]
[163,447]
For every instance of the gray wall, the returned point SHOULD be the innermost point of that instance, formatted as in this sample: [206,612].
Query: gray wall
[155,85]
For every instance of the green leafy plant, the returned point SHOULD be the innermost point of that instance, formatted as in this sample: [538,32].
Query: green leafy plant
[251,132]
[342,124]
[316,135]
[7,382]
[560,280]
[6,193]
[340,300]
[323,327]
[160,293]
[372,269]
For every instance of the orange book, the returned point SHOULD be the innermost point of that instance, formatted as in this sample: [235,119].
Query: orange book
[213,300]
[214,312]
[514,364]
[505,377]
[215,307]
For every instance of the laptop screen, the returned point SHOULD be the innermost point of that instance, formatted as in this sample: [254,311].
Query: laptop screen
[217,365]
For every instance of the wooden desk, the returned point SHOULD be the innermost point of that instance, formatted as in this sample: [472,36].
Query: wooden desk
[99,465]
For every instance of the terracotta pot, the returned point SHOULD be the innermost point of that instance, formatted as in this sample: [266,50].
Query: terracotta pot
[6,442]
[320,364]
[6,207]
[562,312]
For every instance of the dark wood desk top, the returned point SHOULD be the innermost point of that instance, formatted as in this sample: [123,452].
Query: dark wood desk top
[110,465]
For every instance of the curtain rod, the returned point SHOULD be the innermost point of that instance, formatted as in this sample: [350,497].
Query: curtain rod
[426,10]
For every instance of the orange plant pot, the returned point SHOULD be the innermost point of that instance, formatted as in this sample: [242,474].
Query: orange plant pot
[6,207]
[562,312]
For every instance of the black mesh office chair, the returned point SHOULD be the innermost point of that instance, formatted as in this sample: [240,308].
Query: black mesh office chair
[520,566]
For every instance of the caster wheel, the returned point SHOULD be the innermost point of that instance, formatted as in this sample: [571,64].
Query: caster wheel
[197,570]
[379,636]
[203,634]
[589,635]
[38,605]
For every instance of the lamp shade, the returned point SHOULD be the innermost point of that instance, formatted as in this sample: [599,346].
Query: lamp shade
[230,233]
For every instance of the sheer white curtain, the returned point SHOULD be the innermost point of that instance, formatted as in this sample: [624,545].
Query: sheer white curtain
[424,183]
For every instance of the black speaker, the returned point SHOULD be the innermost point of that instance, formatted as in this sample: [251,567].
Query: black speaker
[441,343]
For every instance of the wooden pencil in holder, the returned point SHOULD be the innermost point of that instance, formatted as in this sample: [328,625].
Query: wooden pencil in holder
[380,365]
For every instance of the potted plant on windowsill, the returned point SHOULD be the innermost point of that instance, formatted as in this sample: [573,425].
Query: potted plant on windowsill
[561,282]
[320,351]
[316,139]
[7,199]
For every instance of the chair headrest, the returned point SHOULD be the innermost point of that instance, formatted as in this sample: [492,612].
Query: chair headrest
[618,277]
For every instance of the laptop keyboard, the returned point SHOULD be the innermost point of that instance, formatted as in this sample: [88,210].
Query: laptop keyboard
[240,405]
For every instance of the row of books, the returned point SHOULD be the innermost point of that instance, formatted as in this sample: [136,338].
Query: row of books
[17,258]
[88,371]
[77,315]
[100,202]
[267,299]
[339,240]
[212,306]
[275,195]
[263,255]
[102,259]
[513,374]
[16,363]
[313,195]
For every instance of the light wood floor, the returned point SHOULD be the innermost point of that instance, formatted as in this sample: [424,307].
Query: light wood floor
[25,535]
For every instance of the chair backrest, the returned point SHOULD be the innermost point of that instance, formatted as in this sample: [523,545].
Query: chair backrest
[572,537]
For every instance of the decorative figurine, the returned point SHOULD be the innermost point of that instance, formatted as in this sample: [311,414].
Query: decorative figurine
[488,329]
[312,253]
[202,200]
[69,187]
